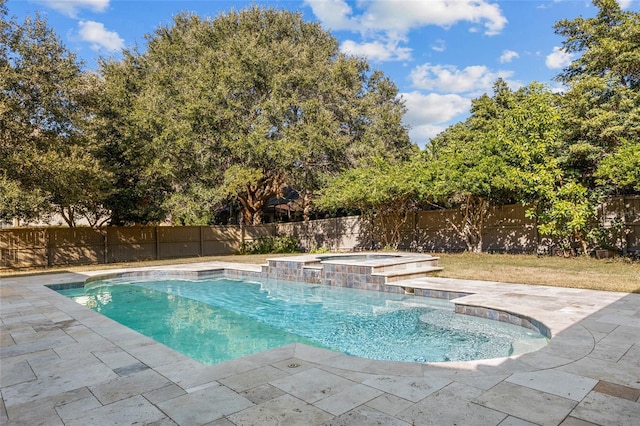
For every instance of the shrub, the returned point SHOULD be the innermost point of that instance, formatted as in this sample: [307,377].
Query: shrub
[266,245]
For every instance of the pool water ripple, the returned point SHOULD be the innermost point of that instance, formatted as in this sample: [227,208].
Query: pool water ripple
[218,319]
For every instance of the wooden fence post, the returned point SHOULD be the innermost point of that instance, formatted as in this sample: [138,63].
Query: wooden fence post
[201,241]
[157,244]
[47,249]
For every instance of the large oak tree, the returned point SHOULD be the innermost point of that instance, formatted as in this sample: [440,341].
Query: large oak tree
[47,161]
[242,106]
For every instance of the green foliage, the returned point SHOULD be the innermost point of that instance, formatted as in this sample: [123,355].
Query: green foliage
[621,169]
[266,245]
[47,161]
[385,193]
[570,216]
[247,103]
[503,153]
[602,106]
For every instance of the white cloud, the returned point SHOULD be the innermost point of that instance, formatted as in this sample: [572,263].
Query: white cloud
[72,7]
[558,58]
[377,51]
[450,79]
[433,108]
[334,14]
[508,56]
[403,15]
[624,4]
[99,36]
[423,133]
[439,45]
[427,115]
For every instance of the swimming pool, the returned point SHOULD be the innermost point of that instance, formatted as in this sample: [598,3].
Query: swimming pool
[219,318]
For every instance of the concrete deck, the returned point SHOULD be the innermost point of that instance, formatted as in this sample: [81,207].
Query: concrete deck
[63,364]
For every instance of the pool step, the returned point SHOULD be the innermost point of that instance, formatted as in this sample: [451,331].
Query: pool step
[407,264]
[407,274]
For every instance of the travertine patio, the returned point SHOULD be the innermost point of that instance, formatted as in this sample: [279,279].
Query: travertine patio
[64,364]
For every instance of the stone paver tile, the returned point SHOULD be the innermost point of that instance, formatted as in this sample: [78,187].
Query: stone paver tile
[252,378]
[607,410]
[294,365]
[6,340]
[625,392]
[284,410]
[75,408]
[348,399]
[610,351]
[221,422]
[204,406]
[114,357]
[165,421]
[3,411]
[614,372]
[133,368]
[365,416]
[262,393]
[53,382]
[155,354]
[390,368]
[485,381]
[572,421]
[272,356]
[632,357]
[389,404]
[38,345]
[135,410]
[128,386]
[163,394]
[411,388]
[189,373]
[38,410]
[526,403]
[555,382]
[451,406]
[312,385]
[45,416]
[13,373]
[576,343]
[627,321]
[313,354]
[514,421]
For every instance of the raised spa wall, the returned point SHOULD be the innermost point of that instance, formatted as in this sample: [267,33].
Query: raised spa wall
[365,272]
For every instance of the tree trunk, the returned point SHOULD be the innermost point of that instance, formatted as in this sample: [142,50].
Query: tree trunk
[306,205]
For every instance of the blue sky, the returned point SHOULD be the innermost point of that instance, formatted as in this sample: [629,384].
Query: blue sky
[440,53]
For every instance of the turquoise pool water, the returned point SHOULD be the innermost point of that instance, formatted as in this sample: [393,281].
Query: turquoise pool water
[219,319]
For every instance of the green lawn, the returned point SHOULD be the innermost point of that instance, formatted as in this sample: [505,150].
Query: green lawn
[597,274]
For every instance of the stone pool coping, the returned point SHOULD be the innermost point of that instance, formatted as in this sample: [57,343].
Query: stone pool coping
[61,363]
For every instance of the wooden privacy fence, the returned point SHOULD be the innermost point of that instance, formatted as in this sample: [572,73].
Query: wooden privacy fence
[507,229]
[44,247]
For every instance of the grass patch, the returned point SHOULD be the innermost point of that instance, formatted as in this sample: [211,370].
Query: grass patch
[616,274]
[596,274]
